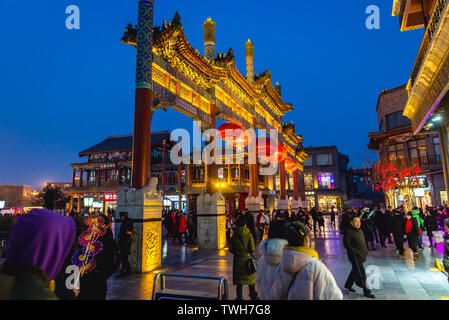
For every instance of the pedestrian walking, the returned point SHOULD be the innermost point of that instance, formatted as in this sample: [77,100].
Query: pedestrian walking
[242,247]
[354,242]
[271,249]
[413,232]
[263,221]
[381,226]
[333,218]
[37,247]
[302,276]
[416,214]
[431,225]
[125,239]
[398,229]
[182,227]
[367,228]
[93,285]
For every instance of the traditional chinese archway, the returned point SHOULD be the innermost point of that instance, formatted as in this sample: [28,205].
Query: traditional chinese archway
[170,73]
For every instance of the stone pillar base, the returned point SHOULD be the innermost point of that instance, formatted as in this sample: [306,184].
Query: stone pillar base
[211,221]
[145,209]
[282,204]
[296,204]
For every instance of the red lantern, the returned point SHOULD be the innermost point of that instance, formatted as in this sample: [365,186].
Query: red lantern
[229,131]
[289,165]
[279,156]
[417,170]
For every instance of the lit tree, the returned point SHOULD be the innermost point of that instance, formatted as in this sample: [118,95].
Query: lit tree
[397,176]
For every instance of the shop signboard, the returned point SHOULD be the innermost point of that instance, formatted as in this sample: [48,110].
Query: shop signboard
[110,197]
[97,204]
[419,192]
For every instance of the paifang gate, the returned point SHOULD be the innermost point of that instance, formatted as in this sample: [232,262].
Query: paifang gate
[171,74]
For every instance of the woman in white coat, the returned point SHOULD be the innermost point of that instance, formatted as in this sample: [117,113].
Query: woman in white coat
[271,249]
[301,275]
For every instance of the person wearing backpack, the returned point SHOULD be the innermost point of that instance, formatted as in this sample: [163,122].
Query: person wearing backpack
[242,247]
[301,275]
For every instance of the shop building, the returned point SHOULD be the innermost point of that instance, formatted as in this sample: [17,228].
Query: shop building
[107,171]
[325,178]
[427,103]
[395,142]
[15,199]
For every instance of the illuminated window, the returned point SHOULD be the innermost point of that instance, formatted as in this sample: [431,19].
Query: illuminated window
[395,151]
[326,180]
[308,181]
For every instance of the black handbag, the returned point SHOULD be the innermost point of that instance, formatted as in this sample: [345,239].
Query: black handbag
[251,263]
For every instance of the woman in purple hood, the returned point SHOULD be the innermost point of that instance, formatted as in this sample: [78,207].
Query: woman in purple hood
[39,243]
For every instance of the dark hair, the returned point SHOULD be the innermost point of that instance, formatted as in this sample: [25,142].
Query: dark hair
[277,230]
[241,221]
[296,234]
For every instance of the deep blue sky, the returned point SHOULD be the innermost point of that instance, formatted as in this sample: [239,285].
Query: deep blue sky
[65,90]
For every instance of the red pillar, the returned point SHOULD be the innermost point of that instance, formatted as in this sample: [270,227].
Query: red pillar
[143,97]
[282,179]
[211,169]
[303,187]
[253,175]
[295,185]
[242,198]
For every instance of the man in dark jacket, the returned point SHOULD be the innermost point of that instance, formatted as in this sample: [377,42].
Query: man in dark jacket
[125,238]
[354,242]
[379,219]
[398,229]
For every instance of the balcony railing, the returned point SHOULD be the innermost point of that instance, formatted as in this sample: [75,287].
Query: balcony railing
[428,35]
[427,161]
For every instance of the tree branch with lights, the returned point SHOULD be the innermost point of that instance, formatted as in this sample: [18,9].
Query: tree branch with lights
[397,176]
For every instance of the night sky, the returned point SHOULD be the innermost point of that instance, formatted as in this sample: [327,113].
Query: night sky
[63,91]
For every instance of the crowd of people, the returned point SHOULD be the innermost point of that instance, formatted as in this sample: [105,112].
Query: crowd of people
[289,269]
[179,226]
[43,244]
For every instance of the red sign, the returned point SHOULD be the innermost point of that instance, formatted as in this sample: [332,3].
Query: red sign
[110,197]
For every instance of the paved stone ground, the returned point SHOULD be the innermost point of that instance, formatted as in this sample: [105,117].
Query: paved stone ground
[399,279]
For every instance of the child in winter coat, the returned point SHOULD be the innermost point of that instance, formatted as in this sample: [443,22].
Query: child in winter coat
[301,275]
[271,249]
